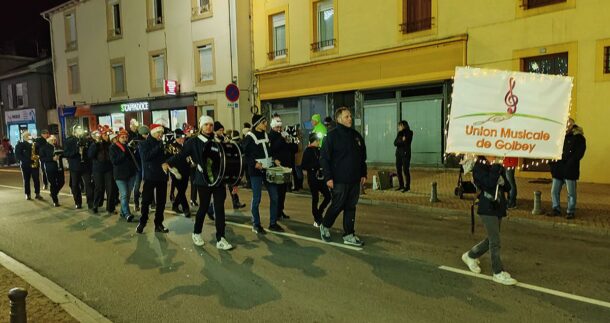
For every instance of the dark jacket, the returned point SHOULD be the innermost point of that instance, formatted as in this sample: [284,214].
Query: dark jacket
[39,142]
[194,148]
[100,155]
[311,162]
[343,156]
[252,152]
[281,150]
[574,146]
[152,156]
[403,147]
[486,179]
[23,153]
[46,157]
[72,152]
[181,164]
[123,163]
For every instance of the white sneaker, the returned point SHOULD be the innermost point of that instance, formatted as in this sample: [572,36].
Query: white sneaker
[352,239]
[223,244]
[473,264]
[198,240]
[315,224]
[504,278]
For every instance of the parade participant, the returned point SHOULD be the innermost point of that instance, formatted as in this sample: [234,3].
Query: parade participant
[38,142]
[510,165]
[315,178]
[181,183]
[134,127]
[318,127]
[343,161]
[258,157]
[244,132]
[29,163]
[76,148]
[152,155]
[403,140]
[219,131]
[124,169]
[194,148]
[283,151]
[102,172]
[567,169]
[143,132]
[51,157]
[490,178]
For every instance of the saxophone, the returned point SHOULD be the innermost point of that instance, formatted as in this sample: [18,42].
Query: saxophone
[35,158]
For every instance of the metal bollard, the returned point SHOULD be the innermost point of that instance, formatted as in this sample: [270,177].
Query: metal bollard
[17,297]
[433,194]
[537,203]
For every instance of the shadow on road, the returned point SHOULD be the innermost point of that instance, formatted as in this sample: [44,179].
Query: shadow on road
[153,252]
[289,254]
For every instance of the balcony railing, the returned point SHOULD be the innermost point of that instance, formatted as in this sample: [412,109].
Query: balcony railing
[277,54]
[416,25]
[112,33]
[196,11]
[153,22]
[607,60]
[324,44]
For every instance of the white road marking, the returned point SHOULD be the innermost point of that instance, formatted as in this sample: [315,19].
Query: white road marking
[533,287]
[291,235]
[10,171]
[75,307]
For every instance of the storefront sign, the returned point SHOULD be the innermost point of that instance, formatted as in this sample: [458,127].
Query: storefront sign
[25,116]
[172,87]
[134,106]
[513,114]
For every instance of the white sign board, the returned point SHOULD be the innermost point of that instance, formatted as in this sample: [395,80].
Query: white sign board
[25,115]
[512,114]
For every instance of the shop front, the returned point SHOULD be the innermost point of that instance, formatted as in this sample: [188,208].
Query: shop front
[72,116]
[18,121]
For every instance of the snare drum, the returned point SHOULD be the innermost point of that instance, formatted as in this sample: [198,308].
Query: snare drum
[279,175]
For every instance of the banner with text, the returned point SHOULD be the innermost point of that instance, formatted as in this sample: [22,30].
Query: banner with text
[504,113]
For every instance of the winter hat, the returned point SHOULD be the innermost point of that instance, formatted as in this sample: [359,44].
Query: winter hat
[276,122]
[205,119]
[143,130]
[178,133]
[188,129]
[124,133]
[256,119]
[316,117]
[218,126]
[155,128]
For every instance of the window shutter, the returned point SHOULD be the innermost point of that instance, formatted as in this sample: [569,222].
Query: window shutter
[10,96]
[25,94]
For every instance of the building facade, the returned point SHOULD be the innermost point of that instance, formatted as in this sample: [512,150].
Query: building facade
[156,61]
[394,60]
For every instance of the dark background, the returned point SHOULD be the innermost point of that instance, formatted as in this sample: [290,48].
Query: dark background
[23,31]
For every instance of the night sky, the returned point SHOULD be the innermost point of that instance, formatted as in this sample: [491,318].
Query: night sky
[22,27]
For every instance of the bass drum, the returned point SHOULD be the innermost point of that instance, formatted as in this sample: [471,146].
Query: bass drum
[223,164]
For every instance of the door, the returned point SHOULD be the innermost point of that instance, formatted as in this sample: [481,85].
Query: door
[425,119]
[380,122]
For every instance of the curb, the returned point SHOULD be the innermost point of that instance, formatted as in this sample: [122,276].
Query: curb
[72,305]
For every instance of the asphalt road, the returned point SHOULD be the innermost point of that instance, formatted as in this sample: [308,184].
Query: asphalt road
[395,278]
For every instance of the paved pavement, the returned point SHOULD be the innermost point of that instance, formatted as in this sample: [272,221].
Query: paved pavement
[395,278]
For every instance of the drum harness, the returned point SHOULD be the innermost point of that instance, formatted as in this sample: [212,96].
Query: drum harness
[263,142]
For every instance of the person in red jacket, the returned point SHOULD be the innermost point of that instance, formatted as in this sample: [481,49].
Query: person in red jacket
[510,163]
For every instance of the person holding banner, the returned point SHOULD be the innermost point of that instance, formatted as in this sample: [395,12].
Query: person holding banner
[491,180]
[567,169]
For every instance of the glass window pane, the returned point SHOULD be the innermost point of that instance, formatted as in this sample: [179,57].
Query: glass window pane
[119,82]
[178,118]
[72,23]
[74,78]
[159,65]
[380,129]
[118,121]
[104,121]
[205,63]
[161,117]
[326,24]
[279,38]
[117,18]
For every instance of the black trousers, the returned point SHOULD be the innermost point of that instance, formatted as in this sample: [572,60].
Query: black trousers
[153,190]
[104,183]
[403,163]
[180,198]
[77,178]
[56,182]
[281,198]
[44,174]
[34,174]
[205,195]
[344,198]
[193,187]
[316,187]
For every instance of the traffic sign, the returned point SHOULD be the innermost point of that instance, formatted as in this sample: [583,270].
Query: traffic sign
[232,92]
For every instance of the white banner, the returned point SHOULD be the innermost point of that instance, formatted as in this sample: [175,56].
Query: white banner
[25,115]
[513,114]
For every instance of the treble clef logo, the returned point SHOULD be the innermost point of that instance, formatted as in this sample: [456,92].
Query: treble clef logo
[510,99]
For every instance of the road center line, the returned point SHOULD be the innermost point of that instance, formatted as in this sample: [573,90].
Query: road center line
[533,287]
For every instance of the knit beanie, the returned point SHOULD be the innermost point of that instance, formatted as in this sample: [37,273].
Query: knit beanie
[154,128]
[218,126]
[143,130]
[256,119]
[205,119]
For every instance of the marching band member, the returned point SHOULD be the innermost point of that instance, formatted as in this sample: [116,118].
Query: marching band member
[190,132]
[51,157]
[194,148]
[29,163]
[283,151]
[258,157]
[181,183]
[76,148]
[124,169]
[143,132]
[39,142]
[152,154]
[315,178]
[102,172]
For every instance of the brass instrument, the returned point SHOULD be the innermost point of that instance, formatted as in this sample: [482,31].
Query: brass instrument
[291,134]
[35,158]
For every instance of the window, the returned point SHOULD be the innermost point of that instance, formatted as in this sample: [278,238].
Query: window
[204,62]
[21,92]
[73,76]
[607,60]
[119,86]
[416,16]
[278,32]
[324,14]
[114,19]
[70,31]
[158,70]
[201,9]
[155,14]
[529,4]
[161,117]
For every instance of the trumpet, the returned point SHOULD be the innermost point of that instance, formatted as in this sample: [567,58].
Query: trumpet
[291,134]
[35,158]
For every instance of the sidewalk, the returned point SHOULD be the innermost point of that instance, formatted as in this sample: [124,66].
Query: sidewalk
[592,209]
